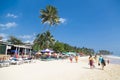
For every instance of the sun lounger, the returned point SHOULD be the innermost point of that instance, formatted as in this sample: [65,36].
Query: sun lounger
[1,64]
[6,63]
[16,61]
[27,60]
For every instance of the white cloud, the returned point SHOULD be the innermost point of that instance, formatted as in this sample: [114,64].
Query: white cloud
[62,20]
[26,36]
[29,41]
[8,25]
[4,36]
[11,15]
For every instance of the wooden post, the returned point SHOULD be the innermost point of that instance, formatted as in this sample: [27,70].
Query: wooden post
[6,49]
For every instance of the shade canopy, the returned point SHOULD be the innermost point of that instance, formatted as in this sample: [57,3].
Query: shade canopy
[70,53]
[46,50]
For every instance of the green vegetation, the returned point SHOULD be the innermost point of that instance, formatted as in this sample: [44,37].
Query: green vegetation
[44,40]
[105,52]
[14,40]
[49,15]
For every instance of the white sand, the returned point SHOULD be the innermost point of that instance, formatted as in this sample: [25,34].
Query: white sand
[59,70]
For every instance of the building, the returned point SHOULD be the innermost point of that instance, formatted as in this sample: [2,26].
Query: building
[11,49]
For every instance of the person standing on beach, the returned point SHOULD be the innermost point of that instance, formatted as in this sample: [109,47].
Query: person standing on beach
[102,62]
[91,61]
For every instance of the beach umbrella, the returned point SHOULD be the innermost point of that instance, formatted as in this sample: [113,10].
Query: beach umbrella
[46,50]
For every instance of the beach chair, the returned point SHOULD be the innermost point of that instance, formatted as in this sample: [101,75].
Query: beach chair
[27,60]
[15,61]
[1,64]
[6,63]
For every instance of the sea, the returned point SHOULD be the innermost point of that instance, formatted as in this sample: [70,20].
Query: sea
[114,58]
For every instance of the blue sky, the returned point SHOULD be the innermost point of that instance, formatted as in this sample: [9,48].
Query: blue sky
[85,23]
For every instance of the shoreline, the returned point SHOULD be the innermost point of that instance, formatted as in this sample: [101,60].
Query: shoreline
[113,59]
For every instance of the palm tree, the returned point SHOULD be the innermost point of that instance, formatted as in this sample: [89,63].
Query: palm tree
[44,40]
[49,39]
[49,15]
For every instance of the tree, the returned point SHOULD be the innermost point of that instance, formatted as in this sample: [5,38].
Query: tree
[49,15]
[49,39]
[39,42]
[87,51]
[14,40]
[58,47]
[1,38]
[104,52]
[44,40]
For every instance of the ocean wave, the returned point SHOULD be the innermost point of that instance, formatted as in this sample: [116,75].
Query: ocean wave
[113,57]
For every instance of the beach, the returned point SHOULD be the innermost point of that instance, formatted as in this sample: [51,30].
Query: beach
[60,70]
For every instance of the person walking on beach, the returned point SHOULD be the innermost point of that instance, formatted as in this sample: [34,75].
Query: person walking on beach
[102,62]
[95,58]
[71,58]
[108,61]
[91,61]
[76,58]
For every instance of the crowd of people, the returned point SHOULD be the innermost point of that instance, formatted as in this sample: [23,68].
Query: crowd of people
[100,60]
[75,56]
[93,60]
